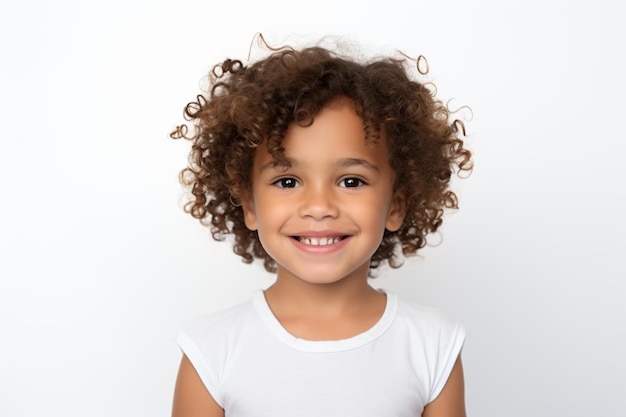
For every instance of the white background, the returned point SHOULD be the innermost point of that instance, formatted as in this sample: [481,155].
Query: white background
[100,266]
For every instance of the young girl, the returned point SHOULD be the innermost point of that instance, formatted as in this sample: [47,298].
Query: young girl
[324,168]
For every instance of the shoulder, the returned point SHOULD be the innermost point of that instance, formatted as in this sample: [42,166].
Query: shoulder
[220,325]
[436,340]
[429,326]
[209,342]
[424,315]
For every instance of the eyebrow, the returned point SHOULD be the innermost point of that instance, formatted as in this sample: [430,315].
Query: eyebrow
[350,162]
[342,163]
[282,162]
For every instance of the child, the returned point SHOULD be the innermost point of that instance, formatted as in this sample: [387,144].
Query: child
[324,168]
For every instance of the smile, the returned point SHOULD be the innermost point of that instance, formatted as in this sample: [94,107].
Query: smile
[318,241]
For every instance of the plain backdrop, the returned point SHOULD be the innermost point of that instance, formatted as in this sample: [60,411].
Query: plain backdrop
[100,266]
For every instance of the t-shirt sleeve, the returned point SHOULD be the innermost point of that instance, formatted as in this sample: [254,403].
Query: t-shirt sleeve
[195,344]
[447,342]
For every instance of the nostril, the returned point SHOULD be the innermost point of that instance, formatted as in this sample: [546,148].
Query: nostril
[319,204]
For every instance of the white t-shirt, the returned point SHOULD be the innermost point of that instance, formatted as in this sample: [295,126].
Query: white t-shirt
[254,368]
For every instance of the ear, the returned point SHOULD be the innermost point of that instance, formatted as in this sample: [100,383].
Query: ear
[249,213]
[397,211]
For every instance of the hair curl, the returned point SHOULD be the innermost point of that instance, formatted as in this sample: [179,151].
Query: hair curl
[249,104]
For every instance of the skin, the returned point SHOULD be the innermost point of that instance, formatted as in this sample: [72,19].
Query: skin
[331,188]
[191,398]
[334,186]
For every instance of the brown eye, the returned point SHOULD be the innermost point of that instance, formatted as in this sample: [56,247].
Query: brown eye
[286,183]
[351,182]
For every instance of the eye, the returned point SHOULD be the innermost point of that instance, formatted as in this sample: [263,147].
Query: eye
[351,182]
[286,182]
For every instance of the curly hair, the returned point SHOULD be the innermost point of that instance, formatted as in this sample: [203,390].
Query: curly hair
[249,104]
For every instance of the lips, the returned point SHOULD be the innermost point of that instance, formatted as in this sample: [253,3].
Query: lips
[319,241]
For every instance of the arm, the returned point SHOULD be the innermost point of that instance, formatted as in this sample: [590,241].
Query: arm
[191,398]
[451,400]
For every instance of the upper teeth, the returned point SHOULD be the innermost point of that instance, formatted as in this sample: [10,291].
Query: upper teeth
[313,241]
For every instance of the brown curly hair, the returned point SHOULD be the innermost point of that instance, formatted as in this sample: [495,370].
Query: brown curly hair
[249,104]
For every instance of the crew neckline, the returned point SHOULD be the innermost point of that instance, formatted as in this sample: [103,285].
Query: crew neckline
[326,346]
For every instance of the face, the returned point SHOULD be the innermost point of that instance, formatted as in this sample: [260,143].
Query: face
[321,213]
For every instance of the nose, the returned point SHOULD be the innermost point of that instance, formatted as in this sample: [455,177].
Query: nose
[318,202]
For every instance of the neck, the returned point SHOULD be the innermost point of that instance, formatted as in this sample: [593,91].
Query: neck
[330,311]
[290,294]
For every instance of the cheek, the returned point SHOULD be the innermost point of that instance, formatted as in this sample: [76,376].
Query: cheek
[373,213]
[271,212]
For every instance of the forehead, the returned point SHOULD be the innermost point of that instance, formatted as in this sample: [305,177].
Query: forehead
[337,132]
